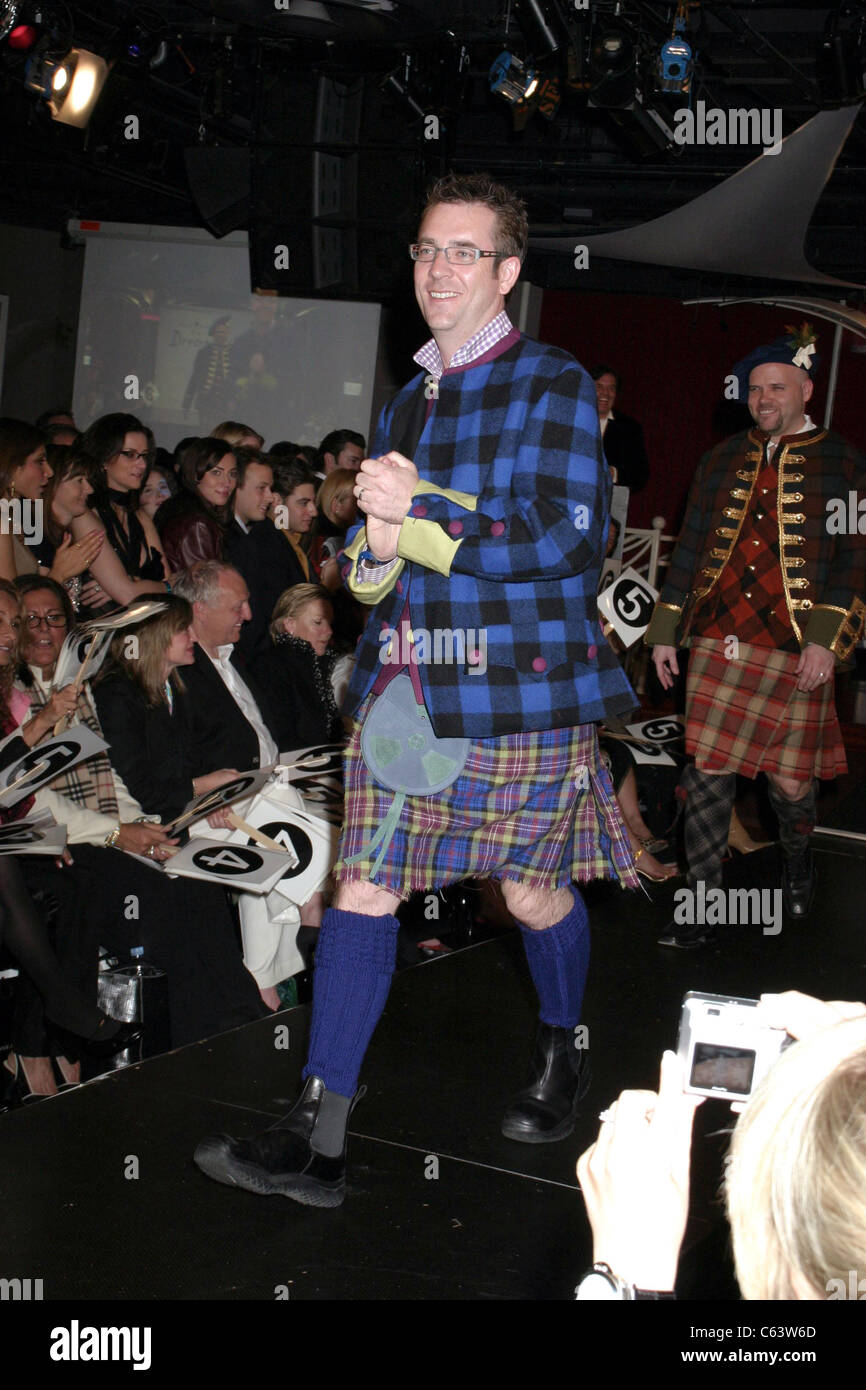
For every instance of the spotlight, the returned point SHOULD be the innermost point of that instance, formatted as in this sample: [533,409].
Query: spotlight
[70,84]
[676,60]
[612,69]
[23,37]
[512,79]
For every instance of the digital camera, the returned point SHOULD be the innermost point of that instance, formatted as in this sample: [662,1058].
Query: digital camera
[725,1049]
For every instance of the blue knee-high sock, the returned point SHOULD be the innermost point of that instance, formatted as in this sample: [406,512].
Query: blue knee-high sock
[558,962]
[354,964]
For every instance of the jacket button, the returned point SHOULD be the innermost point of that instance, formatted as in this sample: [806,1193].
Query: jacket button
[592,652]
[455,527]
[497,528]
[539,663]
[419,509]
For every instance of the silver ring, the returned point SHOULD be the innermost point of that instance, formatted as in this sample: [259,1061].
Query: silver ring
[820,675]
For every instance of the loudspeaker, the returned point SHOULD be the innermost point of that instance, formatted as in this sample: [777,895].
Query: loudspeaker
[219,181]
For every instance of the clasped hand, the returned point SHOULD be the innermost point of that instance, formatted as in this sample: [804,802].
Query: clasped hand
[385,486]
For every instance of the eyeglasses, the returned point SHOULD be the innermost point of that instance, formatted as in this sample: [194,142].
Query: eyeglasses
[131,455]
[36,620]
[454,255]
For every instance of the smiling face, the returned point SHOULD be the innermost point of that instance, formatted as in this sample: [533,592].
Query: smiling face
[218,483]
[605,391]
[44,629]
[255,495]
[126,469]
[301,507]
[456,300]
[219,623]
[70,498]
[155,491]
[313,625]
[180,650]
[10,626]
[30,478]
[778,394]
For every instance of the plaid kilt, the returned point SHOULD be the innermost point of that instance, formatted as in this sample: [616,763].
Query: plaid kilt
[748,716]
[517,811]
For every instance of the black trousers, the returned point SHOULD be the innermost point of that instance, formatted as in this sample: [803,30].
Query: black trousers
[186,929]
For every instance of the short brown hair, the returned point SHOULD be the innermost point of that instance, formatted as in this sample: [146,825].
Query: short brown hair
[512,223]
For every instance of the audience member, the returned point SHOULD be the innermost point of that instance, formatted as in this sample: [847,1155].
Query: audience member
[58,426]
[342,449]
[193,523]
[132,563]
[24,477]
[293,514]
[622,437]
[337,511]
[296,669]
[794,1180]
[257,550]
[209,990]
[237,435]
[159,484]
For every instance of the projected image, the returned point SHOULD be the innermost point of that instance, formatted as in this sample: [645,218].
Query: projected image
[170,332]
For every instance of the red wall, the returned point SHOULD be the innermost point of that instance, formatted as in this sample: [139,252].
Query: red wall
[673,360]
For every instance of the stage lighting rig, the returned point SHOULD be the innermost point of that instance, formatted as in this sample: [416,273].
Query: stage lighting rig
[676,61]
[513,80]
[70,82]
[612,68]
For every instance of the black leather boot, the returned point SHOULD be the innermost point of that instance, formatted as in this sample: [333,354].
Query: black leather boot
[796,823]
[798,884]
[302,1157]
[545,1109]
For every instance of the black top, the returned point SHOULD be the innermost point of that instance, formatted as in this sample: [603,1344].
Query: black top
[151,747]
[136,556]
[298,686]
[222,734]
[625,451]
[269,566]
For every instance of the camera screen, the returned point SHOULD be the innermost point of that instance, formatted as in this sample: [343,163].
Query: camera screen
[719,1068]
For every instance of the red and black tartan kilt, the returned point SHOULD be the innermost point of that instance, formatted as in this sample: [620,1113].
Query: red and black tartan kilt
[747,715]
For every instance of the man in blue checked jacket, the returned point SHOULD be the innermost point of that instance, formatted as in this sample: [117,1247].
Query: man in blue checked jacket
[486,508]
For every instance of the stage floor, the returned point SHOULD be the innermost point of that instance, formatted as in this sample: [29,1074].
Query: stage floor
[101,1199]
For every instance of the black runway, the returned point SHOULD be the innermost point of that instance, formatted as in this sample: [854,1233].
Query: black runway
[102,1201]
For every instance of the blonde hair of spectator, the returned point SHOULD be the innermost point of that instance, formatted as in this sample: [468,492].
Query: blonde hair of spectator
[292,602]
[234,433]
[796,1174]
[340,483]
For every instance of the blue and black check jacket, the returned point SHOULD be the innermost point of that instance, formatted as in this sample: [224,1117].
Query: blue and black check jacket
[505,534]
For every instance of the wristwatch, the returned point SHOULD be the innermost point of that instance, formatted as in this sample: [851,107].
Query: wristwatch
[601,1284]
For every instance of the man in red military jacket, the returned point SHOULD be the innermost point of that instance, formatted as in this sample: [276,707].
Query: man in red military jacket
[766,591]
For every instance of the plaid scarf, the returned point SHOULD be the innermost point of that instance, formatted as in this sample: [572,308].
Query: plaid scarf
[89,783]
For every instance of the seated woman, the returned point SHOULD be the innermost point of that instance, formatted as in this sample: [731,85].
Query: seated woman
[139,700]
[185,927]
[131,563]
[193,524]
[25,476]
[337,512]
[144,712]
[67,985]
[159,484]
[296,670]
